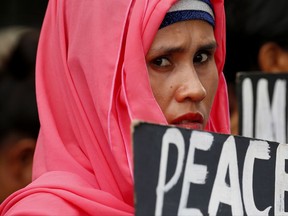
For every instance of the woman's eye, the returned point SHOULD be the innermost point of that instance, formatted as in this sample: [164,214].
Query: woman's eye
[201,57]
[161,62]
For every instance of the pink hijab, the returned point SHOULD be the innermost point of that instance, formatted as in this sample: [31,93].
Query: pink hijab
[91,82]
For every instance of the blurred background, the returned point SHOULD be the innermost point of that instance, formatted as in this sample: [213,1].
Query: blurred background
[20,24]
[257,41]
[22,12]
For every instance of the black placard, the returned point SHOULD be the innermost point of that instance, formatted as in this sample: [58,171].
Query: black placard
[263,105]
[217,174]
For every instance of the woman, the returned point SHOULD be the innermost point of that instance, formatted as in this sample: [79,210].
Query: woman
[93,81]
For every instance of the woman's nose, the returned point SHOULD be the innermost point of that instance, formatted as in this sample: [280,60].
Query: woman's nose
[190,88]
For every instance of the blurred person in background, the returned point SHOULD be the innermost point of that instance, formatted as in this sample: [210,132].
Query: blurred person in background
[19,124]
[257,40]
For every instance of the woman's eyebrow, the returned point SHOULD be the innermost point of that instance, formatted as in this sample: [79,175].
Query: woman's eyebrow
[179,48]
[209,46]
[169,49]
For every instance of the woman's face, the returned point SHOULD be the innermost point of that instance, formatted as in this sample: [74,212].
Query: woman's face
[183,73]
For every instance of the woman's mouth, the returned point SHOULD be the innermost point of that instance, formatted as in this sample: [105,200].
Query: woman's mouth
[190,121]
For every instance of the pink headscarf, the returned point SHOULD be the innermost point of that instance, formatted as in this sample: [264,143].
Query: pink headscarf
[92,81]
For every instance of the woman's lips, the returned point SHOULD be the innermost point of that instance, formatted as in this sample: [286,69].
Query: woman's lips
[190,121]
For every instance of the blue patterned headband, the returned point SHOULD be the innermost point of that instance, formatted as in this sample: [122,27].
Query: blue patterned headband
[189,10]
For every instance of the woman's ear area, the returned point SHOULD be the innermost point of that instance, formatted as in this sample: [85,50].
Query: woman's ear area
[272,58]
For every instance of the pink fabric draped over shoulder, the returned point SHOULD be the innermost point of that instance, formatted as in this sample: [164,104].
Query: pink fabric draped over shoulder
[91,83]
